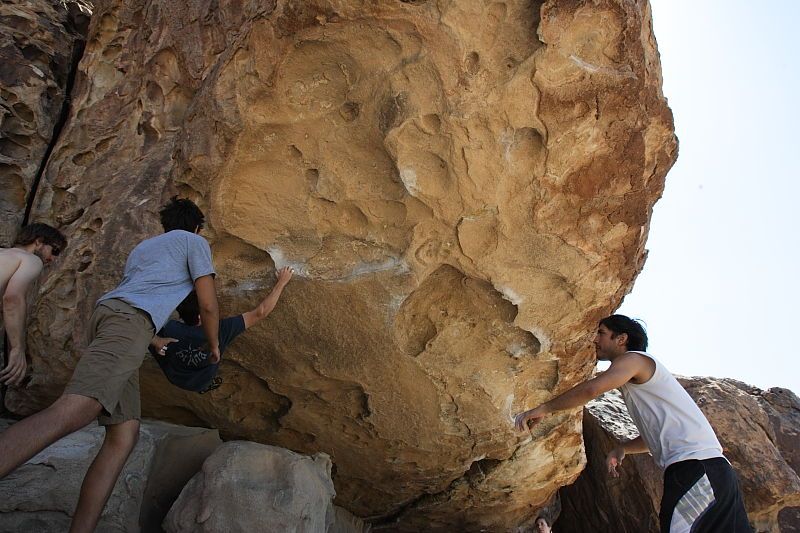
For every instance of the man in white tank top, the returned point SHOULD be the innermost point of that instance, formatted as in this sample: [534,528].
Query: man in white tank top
[701,490]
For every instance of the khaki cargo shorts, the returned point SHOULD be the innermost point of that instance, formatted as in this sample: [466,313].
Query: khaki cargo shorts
[108,370]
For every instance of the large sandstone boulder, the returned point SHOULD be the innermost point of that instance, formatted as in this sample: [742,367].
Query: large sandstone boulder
[40,496]
[464,188]
[760,434]
[41,42]
[245,486]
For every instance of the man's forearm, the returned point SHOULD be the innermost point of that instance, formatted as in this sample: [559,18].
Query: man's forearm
[637,445]
[209,309]
[14,311]
[268,304]
[575,397]
[210,319]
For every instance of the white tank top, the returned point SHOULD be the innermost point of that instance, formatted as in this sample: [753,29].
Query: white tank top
[669,421]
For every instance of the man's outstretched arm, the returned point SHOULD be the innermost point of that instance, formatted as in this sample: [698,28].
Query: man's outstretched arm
[209,313]
[268,304]
[15,310]
[620,372]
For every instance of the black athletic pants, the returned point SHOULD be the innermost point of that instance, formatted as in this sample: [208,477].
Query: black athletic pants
[702,497]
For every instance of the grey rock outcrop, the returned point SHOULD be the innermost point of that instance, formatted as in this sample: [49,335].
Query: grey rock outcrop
[346,522]
[245,486]
[40,496]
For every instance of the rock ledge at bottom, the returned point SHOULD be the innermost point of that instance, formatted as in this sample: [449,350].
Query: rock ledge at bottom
[40,496]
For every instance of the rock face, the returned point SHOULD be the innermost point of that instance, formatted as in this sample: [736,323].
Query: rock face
[464,188]
[760,434]
[245,486]
[41,495]
[40,43]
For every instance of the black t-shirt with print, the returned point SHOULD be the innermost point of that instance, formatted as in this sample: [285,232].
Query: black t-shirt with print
[185,364]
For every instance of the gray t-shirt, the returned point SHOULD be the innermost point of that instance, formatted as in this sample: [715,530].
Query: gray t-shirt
[160,273]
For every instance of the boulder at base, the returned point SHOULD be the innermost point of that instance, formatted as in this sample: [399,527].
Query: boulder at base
[245,486]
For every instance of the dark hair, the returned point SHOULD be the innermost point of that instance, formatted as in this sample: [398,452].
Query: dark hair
[189,310]
[181,213]
[542,517]
[619,324]
[48,234]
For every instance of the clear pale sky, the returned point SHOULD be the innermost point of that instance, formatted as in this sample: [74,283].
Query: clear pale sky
[720,290]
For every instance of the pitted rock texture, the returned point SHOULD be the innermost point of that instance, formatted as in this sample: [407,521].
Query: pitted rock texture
[245,486]
[759,432]
[37,40]
[463,187]
[40,496]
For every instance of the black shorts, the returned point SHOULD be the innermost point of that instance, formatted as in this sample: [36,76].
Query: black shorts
[702,496]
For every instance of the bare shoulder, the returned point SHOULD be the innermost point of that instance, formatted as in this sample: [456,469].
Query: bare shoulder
[16,262]
[632,361]
[644,367]
[10,260]
[30,262]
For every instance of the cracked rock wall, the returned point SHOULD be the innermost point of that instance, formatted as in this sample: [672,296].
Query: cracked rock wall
[464,188]
[38,41]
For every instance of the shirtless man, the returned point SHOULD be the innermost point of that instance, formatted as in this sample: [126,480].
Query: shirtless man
[35,246]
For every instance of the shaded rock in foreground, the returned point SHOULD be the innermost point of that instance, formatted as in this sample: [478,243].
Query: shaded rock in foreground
[760,434]
[599,503]
[245,486]
[346,522]
[40,496]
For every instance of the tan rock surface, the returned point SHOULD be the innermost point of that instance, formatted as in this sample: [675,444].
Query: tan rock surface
[37,40]
[464,188]
[40,496]
[759,432]
[245,486]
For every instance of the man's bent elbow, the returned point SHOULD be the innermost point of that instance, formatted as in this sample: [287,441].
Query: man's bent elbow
[12,300]
[209,307]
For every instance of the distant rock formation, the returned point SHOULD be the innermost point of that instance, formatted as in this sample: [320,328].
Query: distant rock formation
[464,188]
[760,434]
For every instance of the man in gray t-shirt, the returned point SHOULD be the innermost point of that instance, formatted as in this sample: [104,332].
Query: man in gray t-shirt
[159,273]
